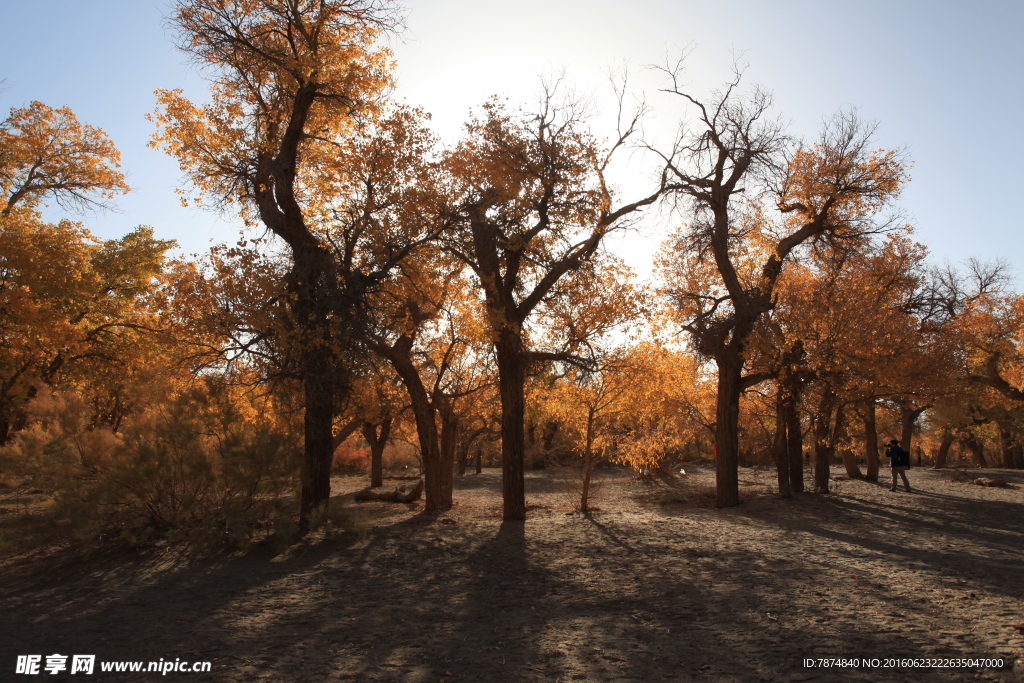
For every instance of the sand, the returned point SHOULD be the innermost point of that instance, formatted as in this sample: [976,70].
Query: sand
[636,591]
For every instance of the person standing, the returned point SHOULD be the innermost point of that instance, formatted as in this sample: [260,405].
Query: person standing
[899,463]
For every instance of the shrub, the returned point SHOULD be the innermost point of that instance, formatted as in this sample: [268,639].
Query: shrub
[673,497]
[208,463]
[351,458]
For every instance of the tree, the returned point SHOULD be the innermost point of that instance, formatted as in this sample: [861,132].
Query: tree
[530,204]
[70,304]
[598,305]
[725,173]
[852,311]
[48,153]
[297,89]
[382,404]
[424,329]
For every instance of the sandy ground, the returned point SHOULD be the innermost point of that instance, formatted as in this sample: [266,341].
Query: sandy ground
[638,591]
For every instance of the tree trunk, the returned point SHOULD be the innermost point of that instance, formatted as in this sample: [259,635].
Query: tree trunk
[449,443]
[438,496]
[345,431]
[588,467]
[795,436]
[1006,442]
[976,449]
[850,463]
[512,387]
[318,423]
[437,478]
[588,462]
[947,441]
[727,420]
[838,436]
[466,442]
[908,419]
[781,443]
[548,438]
[377,441]
[790,441]
[313,281]
[822,441]
[871,440]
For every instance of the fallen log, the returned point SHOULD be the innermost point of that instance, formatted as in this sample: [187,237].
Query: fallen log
[991,482]
[399,495]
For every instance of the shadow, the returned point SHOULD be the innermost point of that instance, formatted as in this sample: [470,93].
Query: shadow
[630,594]
[490,479]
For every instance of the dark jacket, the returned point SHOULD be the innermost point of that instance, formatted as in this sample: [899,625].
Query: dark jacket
[898,457]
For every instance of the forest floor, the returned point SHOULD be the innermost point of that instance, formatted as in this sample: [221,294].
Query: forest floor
[639,590]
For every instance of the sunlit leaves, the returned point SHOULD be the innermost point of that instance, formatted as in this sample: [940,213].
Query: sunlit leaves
[48,153]
[285,76]
[70,304]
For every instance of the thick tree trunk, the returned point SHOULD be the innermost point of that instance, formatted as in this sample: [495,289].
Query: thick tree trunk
[871,440]
[313,282]
[449,442]
[377,441]
[947,441]
[1006,443]
[512,389]
[781,443]
[437,478]
[319,438]
[789,441]
[345,431]
[438,487]
[838,435]
[795,435]
[788,445]
[976,449]
[850,463]
[727,421]
[822,441]
[908,419]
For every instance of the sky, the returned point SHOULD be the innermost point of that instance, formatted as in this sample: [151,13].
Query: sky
[943,80]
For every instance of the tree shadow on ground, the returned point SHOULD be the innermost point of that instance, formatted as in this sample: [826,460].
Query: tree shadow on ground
[699,594]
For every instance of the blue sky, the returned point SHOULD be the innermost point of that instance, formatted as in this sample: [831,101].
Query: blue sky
[945,80]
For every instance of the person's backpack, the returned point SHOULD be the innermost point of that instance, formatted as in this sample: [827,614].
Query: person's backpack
[903,458]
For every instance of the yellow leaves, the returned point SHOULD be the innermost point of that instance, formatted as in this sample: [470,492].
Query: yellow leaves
[274,65]
[46,152]
[853,319]
[594,305]
[525,168]
[68,303]
[639,406]
[839,179]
